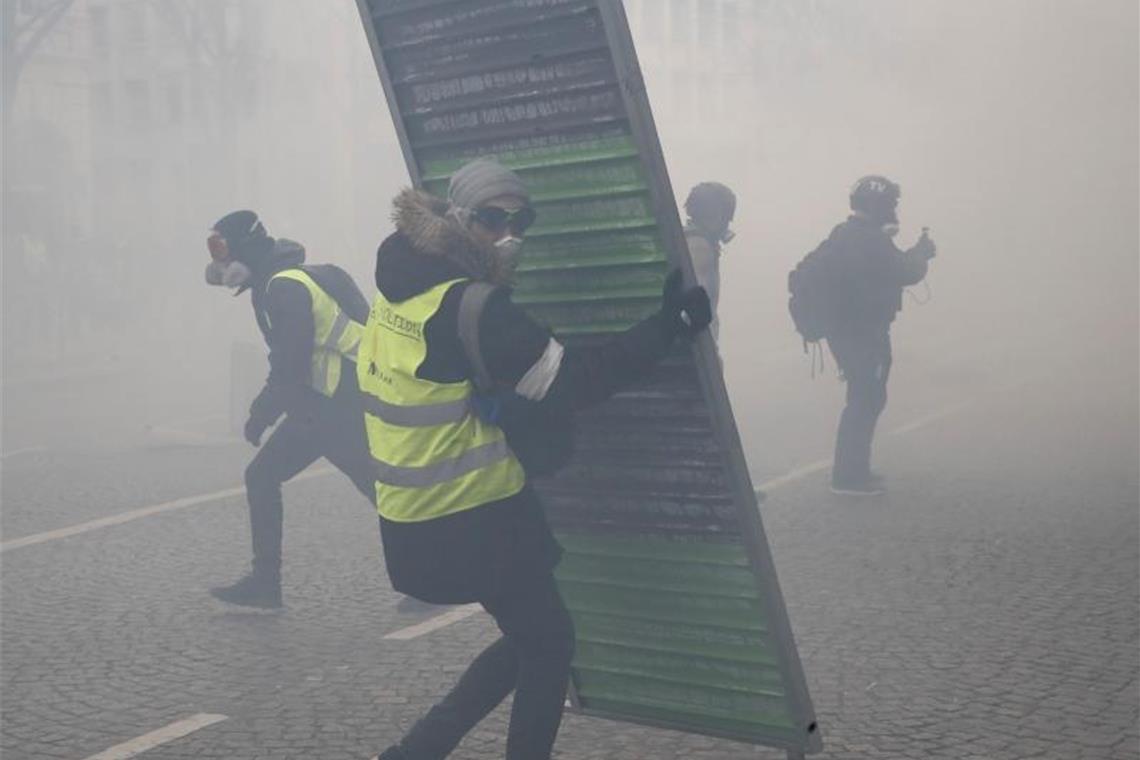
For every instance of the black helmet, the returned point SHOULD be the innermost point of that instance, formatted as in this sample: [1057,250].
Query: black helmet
[245,237]
[876,196]
[711,206]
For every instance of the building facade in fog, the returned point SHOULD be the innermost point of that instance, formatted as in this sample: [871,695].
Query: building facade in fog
[136,123]
[706,63]
[46,169]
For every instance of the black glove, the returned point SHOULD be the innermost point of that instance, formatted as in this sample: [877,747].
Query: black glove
[684,311]
[254,429]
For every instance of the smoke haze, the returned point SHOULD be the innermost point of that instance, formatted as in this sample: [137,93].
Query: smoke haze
[1011,127]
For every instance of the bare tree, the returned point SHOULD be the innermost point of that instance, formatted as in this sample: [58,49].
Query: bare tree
[24,26]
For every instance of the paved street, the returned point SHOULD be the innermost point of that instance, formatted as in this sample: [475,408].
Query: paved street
[987,609]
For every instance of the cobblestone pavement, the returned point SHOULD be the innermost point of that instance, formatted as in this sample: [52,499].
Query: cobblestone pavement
[987,609]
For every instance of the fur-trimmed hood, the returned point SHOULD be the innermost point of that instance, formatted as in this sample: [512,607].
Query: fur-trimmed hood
[424,226]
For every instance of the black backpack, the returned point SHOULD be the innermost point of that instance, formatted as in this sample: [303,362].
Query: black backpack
[812,294]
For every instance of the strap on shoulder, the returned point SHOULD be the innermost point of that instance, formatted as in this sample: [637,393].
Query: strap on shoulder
[471,305]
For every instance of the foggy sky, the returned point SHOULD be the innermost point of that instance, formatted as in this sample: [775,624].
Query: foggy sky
[1011,126]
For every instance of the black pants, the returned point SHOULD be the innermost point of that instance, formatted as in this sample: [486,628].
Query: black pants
[532,658]
[334,431]
[865,361]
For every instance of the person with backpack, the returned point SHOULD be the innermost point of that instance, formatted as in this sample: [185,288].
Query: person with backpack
[459,518]
[849,291]
[312,318]
[709,209]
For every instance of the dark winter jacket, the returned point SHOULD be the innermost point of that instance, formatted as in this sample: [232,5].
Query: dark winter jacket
[481,553]
[284,312]
[868,274]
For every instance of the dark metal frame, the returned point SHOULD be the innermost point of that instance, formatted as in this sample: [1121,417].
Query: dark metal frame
[633,89]
[389,93]
[636,100]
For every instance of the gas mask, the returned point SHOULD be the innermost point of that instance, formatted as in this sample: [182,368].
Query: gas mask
[224,269]
[509,251]
[229,274]
[891,220]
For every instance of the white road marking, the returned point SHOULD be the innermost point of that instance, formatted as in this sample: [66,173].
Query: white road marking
[435,623]
[26,450]
[189,436]
[792,476]
[175,730]
[192,421]
[123,517]
[802,472]
[926,419]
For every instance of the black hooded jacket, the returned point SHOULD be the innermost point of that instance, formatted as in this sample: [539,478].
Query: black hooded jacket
[284,312]
[482,552]
[869,272]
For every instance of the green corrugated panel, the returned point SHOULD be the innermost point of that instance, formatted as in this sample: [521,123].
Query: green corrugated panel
[666,572]
[775,729]
[557,180]
[689,549]
[588,596]
[592,215]
[576,152]
[727,704]
[615,249]
[678,638]
[694,477]
[600,282]
[652,575]
[613,315]
[698,671]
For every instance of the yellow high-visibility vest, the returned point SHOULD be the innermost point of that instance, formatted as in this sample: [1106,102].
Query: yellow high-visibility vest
[335,335]
[433,455]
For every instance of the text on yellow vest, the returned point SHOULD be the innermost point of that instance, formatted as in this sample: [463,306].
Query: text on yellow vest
[433,455]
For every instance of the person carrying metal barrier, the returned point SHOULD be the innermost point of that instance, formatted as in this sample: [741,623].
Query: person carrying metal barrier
[460,521]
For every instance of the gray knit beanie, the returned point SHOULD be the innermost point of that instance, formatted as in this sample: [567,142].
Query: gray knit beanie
[480,181]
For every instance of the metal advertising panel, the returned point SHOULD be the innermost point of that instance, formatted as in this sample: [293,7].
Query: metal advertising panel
[679,617]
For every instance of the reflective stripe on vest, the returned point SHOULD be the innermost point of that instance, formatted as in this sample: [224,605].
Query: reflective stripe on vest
[424,415]
[335,335]
[433,455]
[443,471]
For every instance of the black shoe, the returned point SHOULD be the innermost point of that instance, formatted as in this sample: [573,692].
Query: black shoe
[872,485]
[251,591]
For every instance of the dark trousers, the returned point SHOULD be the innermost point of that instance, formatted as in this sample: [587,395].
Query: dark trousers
[865,361]
[336,432]
[532,658]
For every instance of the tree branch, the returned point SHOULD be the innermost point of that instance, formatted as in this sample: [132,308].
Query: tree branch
[39,26]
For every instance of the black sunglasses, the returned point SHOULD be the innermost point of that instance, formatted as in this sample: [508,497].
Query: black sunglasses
[499,219]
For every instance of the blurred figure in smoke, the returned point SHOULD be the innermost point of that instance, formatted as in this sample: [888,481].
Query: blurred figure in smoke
[867,274]
[312,318]
[710,209]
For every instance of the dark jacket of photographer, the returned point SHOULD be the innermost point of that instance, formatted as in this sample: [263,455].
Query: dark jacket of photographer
[868,274]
